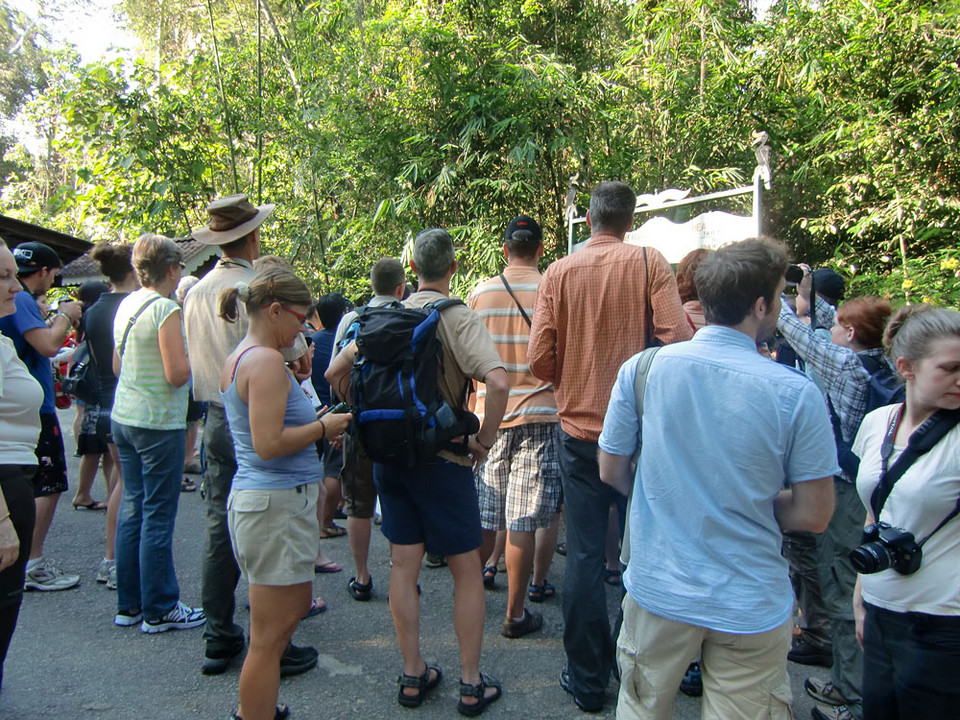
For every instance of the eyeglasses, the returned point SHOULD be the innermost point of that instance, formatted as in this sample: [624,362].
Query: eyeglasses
[298,316]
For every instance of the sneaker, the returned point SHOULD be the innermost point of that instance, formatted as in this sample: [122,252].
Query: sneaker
[530,622]
[127,618]
[587,703]
[296,660]
[840,712]
[824,691]
[805,652]
[692,683]
[103,572]
[181,617]
[45,577]
[112,580]
[217,660]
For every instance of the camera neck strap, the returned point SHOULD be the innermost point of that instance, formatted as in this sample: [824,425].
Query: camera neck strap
[921,441]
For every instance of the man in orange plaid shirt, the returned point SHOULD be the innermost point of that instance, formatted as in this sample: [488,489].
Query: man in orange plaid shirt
[595,309]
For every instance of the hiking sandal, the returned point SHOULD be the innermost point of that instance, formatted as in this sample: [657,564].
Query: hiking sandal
[283,712]
[539,593]
[422,683]
[359,591]
[478,691]
[490,576]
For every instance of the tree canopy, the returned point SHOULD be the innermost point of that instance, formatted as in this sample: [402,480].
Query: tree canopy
[367,120]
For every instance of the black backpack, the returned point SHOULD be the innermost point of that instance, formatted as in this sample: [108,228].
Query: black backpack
[401,417]
[81,380]
[884,388]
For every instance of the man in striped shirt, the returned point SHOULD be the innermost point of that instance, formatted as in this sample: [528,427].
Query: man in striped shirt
[519,484]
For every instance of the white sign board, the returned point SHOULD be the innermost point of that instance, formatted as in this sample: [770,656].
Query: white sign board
[709,230]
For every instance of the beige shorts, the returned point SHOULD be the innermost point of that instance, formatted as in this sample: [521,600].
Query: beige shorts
[274,534]
[744,676]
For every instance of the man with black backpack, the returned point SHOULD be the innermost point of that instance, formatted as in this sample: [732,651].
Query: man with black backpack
[410,371]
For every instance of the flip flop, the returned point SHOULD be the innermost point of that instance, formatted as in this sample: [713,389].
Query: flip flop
[328,567]
[188,485]
[92,505]
[317,605]
[332,531]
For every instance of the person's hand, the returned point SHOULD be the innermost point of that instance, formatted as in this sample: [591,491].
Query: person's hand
[303,367]
[478,453]
[803,289]
[334,424]
[9,544]
[859,614]
[72,309]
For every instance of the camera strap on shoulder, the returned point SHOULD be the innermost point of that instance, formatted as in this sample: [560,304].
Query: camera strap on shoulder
[509,289]
[921,441]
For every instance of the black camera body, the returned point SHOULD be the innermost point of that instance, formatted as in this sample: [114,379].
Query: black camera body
[884,546]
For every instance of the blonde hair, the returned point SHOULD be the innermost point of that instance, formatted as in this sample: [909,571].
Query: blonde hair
[152,256]
[913,328]
[271,285]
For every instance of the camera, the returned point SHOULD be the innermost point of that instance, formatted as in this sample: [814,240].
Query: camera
[794,275]
[884,546]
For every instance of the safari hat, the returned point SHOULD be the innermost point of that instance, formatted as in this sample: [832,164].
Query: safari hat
[231,217]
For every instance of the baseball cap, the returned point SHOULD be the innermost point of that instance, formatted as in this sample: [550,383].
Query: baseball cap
[34,256]
[829,283]
[524,222]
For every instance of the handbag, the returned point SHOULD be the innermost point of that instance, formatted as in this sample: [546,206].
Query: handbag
[81,380]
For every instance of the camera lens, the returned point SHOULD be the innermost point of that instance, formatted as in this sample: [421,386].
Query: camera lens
[872,557]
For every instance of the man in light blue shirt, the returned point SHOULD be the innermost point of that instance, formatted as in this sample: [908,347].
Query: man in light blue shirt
[736,448]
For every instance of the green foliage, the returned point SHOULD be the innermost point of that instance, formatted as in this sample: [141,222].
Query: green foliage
[367,121]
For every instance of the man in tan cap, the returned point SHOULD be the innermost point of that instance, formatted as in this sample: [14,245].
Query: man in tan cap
[234,227]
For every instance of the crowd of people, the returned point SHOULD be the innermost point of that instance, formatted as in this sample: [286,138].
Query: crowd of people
[743,452]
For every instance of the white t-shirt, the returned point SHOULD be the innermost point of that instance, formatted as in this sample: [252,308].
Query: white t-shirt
[921,499]
[20,400]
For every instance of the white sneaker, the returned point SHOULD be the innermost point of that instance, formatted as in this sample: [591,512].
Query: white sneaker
[181,617]
[127,618]
[106,567]
[45,576]
[112,579]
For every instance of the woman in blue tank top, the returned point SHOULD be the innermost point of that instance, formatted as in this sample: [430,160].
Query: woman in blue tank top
[272,505]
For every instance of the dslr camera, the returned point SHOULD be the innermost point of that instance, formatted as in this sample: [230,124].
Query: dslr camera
[884,546]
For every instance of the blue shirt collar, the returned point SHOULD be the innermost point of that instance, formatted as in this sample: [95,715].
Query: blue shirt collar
[725,335]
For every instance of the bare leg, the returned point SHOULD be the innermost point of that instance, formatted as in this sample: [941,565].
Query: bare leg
[488,546]
[86,476]
[469,613]
[275,612]
[358,531]
[111,470]
[520,550]
[322,558]
[546,545]
[331,501]
[46,507]
[190,445]
[405,605]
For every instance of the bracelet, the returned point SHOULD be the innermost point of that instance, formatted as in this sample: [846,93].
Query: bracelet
[63,314]
[324,426]
[485,447]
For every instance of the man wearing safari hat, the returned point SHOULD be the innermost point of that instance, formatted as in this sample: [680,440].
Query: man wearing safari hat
[235,228]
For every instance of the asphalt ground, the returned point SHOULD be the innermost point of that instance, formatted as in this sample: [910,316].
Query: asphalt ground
[68,660]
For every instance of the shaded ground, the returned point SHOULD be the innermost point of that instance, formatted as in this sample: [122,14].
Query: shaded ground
[68,660]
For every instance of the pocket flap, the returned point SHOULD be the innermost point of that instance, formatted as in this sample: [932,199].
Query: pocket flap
[251,502]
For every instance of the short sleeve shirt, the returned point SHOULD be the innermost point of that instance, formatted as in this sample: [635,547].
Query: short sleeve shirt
[20,399]
[724,431]
[144,398]
[920,500]
[26,318]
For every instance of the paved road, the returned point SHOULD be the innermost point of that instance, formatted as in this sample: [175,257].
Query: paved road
[69,661]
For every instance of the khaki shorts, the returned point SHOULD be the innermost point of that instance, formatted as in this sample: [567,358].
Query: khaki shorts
[744,676]
[274,534]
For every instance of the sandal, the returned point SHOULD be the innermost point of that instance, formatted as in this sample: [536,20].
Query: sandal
[562,549]
[612,577]
[332,531]
[478,691]
[539,593]
[92,505]
[330,566]
[422,683]
[359,591]
[283,712]
[490,576]
[187,485]
[317,605]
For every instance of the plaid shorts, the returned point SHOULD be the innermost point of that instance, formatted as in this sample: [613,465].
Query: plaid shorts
[519,484]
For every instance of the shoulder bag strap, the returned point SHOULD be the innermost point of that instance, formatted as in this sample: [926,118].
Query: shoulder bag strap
[133,320]
[519,306]
[639,389]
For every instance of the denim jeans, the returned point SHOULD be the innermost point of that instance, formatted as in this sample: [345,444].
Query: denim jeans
[911,663]
[587,637]
[152,465]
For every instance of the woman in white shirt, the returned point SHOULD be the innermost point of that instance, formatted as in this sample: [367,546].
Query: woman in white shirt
[20,400]
[907,602]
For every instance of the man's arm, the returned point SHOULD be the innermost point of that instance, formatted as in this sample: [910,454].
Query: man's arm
[542,346]
[615,471]
[47,340]
[805,506]
[670,322]
[338,371]
[495,404]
